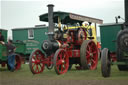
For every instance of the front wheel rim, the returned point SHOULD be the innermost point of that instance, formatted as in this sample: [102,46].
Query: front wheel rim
[36,64]
[61,62]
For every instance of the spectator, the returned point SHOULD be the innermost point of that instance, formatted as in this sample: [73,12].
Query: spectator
[1,37]
[11,54]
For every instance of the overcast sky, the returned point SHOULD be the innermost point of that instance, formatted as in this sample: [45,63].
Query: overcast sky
[24,13]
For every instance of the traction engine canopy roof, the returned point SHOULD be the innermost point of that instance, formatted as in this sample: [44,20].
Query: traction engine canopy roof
[69,18]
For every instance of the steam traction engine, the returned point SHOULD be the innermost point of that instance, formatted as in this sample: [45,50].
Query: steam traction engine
[67,45]
[114,43]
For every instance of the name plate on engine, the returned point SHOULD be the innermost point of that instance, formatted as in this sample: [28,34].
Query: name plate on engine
[85,18]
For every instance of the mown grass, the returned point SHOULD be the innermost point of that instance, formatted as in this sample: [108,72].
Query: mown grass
[24,73]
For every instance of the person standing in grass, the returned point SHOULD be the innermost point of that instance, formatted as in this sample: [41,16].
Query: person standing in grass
[11,54]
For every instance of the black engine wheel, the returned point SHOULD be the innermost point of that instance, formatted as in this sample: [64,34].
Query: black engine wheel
[105,63]
[122,40]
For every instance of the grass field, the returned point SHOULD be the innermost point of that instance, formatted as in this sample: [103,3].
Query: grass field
[72,77]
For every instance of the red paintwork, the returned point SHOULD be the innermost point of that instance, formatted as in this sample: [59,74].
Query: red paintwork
[92,55]
[48,60]
[18,62]
[69,50]
[37,61]
[62,62]
[98,45]
[3,64]
[113,56]
[75,53]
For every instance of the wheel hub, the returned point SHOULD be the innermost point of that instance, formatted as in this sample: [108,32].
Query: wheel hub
[37,62]
[91,54]
[126,42]
[63,61]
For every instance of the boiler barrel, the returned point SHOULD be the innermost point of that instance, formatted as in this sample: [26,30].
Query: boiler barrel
[50,46]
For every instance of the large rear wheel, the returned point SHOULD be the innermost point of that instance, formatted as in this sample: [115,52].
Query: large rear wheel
[89,55]
[122,40]
[105,63]
[35,62]
[61,61]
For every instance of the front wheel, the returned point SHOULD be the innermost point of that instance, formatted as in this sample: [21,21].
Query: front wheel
[105,63]
[61,61]
[35,62]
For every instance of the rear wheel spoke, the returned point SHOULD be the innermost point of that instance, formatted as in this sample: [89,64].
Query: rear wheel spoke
[87,56]
[59,62]
[37,68]
[93,61]
[94,52]
[33,62]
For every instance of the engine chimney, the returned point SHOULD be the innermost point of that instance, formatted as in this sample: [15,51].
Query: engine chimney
[126,11]
[50,20]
